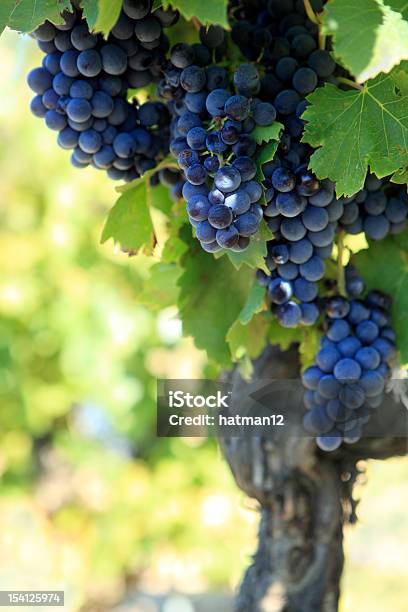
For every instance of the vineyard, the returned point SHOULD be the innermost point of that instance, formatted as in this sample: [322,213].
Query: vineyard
[259,155]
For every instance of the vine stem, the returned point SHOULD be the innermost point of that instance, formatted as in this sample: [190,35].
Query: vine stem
[341,280]
[350,83]
[196,23]
[315,18]
[310,12]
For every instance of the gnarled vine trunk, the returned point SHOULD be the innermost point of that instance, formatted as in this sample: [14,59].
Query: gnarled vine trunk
[305,497]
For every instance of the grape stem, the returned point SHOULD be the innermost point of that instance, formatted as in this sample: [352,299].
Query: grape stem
[196,23]
[350,83]
[341,280]
[310,13]
[322,40]
[220,159]
[315,18]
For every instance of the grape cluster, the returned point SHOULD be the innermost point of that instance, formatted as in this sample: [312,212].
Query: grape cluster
[302,212]
[346,384]
[82,87]
[379,209]
[213,143]
[279,35]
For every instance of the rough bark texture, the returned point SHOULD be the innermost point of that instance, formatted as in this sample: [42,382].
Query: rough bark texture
[305,497]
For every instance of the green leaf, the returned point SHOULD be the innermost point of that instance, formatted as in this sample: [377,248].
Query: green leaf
[129,222]
[27,15]
[309,346]
[370,36]
[283,336]
[267,153]
[160,290]
[212,295]
[248,340]
[175,246]
[102,15]
[356,129]
[255,303]
[248,334]
[267,133]
[160,199]
[400,177]
[254,255]
[384,266]
[168,162]
[208,12]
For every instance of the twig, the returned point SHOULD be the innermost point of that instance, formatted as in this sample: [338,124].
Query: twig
[341,280]
[350,83]
[310,12]
[322,40]
[196,23]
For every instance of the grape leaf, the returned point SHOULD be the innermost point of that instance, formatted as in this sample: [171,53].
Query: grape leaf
[247,337]
[248,340]
[129,222]
[309,346]
[354,129]
[168,162]
[160,289]
[27,15]
[102,15]
[254,255]
[208,12]
[255,303]
[267,153]
[160,199]
[283,336]
[400,177]
[174,248]
[370,36]
[267,133]
[212,295]
[384,266]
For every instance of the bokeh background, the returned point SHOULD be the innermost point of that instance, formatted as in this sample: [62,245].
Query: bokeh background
[91,502]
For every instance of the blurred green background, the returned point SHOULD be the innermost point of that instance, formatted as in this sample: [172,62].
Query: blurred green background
[91,502]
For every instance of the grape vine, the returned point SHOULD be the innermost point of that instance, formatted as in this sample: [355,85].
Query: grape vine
[235,126]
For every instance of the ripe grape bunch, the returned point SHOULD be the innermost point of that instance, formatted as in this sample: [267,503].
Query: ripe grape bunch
[213,142]
[378,210]
[346,384]
[280,36]
[302,213]
[81,89]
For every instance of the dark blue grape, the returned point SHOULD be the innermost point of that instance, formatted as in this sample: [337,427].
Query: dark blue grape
[239,202]
[55,121]
[89,63]
[286,101]
[220,216]
[247,224]
[289,314]
[79,110]
[90,141]
[193,79]
[198,207]
[196,174]
[280,291]
[39,80]
[227,238]
[237,107]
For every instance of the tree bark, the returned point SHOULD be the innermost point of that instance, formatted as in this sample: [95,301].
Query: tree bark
[305,497]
